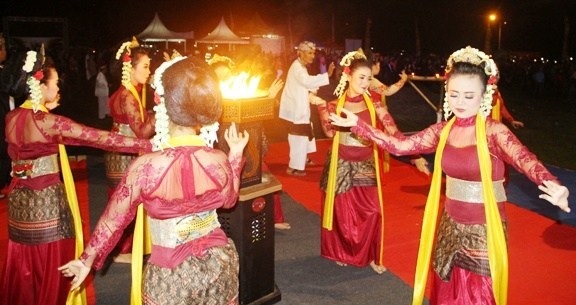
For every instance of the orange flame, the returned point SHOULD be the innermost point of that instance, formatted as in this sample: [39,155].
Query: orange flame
[241,86]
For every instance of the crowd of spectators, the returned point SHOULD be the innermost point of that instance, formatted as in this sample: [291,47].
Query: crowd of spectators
[537,78]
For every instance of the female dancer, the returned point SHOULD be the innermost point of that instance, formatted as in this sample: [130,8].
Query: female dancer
[352,221]
[42,217]
[470,256]
[129,118]
[180,186]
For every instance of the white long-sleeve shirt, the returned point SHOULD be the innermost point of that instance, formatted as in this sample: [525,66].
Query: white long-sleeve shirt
[294,104]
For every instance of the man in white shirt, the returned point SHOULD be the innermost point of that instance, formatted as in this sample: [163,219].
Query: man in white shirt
[295,106]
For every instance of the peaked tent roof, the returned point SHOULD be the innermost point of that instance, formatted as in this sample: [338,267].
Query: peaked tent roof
[222,34]
[157,31]
[255,26]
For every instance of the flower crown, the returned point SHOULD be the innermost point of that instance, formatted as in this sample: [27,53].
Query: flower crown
[33,80]
[125,52]
[478,58]
[345,62]
[221,59]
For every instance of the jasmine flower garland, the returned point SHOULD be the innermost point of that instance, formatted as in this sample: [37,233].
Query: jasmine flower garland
[33,81]
[160,139]
[346,62]
[208,133]
[126,61]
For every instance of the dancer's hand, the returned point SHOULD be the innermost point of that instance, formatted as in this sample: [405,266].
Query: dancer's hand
[350,120]
[236,140]
[556,194]
[517,124]
[76,269]
[403,76]
[422,165]
[275,87]
[331,68]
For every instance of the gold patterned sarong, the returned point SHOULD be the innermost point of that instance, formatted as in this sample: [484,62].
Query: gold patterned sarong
[349,174]
[208,279]
[462,245]
[117,163]
[39,216]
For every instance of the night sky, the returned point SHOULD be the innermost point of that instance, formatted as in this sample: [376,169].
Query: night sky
[443,25]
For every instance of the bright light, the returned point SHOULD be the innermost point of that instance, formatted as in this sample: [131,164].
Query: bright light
[492,17]
[241,86]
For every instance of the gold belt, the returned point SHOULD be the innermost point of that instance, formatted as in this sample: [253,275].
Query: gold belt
[349,139]
[24,169]
[176,231]
[123,129]
[471,191]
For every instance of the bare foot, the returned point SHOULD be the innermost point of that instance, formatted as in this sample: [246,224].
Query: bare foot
[123,258]
[341,264]
[282,226]
[377,268]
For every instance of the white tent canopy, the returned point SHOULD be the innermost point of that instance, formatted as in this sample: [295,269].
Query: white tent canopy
[156,31]
[222,34]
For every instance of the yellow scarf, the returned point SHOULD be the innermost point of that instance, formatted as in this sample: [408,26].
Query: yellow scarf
[142,243]
[77,296]
[496,111]
[328,213]
[497,250]
[141,102]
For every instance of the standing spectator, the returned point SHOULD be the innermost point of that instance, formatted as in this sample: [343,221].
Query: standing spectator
[101,91]
[295,107]
[539,79]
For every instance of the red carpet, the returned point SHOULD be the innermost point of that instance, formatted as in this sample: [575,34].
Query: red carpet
[542,253]
[81,179]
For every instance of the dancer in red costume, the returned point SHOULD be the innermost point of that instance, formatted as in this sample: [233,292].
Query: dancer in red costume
[180,185]
[43,224]
[129,118]
[499,111]
[379,92]
[352,211]
[470,255]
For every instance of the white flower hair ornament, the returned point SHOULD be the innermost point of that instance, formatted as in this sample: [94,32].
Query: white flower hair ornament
[162,135]
[345,62]
[208,133]
[221,59]
[479,58]
[33,81]
[125,52]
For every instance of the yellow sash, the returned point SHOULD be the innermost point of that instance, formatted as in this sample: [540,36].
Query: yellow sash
[497,251]
[496,241]
[77,296]
[141,102]
[142,243]
[328,213]
[496,111]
